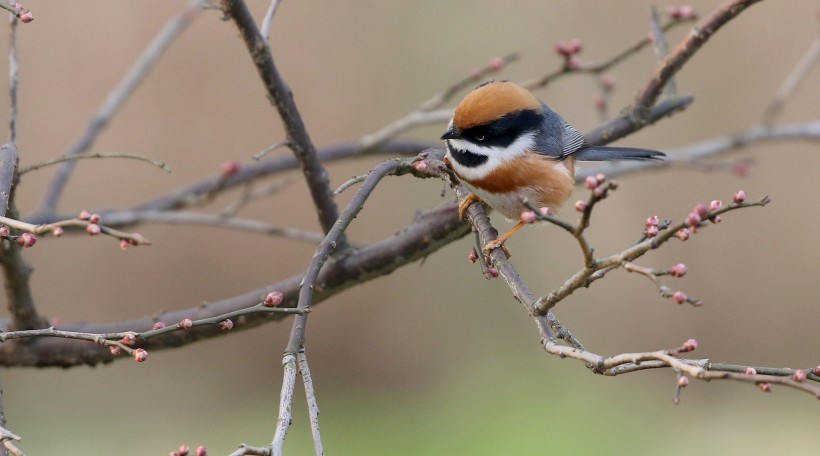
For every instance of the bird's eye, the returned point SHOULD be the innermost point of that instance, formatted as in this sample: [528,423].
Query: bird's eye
[479,137]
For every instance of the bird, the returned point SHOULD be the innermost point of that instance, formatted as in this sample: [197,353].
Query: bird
[507,147]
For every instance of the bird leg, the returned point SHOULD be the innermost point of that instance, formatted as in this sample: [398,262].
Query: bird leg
[500,240]
[465,203]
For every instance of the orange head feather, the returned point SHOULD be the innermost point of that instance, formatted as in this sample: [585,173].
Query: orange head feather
[492,101]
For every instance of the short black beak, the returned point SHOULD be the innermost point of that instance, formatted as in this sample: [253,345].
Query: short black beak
[451,133]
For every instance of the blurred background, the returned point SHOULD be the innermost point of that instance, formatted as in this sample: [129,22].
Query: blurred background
[433,359]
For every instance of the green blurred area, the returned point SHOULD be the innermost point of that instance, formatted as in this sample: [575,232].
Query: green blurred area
[432,359]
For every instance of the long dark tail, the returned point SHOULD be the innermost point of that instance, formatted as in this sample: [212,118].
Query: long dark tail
[595,153]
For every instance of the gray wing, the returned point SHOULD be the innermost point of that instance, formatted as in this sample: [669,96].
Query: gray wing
[560,139]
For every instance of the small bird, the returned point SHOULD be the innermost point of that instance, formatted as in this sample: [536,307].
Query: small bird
[507,146]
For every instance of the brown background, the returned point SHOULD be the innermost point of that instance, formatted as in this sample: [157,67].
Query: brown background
[432,359]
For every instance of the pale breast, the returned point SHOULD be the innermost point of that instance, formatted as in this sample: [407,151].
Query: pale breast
[543,181]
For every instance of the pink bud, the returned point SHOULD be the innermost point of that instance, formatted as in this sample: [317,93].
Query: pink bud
[229,168]
[183,450]
[473,257]
[572,63]
[93,229]
[94,218]
[576,46]
[115,350]
[590,182]
[546,211]
[562,48]
[140,355]
[528,217]
[226,325]
[580,205]
[680,297]
[799,376]
[701,210]
[57,231]
[201,451]
[186,323]
[159,325]
[687,12]
[715,205]
[690,345]
[84,215]
[750,371]
[693,220]
[683,234]
[420,166]
[600,192]
[496,64]
[607,82]
[716,219]
[683,381]
[4,232]
[601,178]
[679,270]
[673,11]
[765,387]
[739,197]
[652,231]
[26,17]
[742,169]
[816,370]
[26,240]
[652,221]
[124,244]
[493,271]
[600,102]
[274,298]
[129,339]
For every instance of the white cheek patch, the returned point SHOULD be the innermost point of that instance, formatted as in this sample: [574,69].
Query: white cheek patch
[496,156]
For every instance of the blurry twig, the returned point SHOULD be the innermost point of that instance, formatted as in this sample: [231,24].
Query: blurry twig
[117,97]
[159,164]
[797,75]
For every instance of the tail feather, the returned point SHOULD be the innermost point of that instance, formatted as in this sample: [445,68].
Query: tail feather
[596,153]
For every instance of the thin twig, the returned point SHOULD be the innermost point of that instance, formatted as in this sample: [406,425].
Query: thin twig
[159,164]
[675,60]
[117,97]
[285,404]
[660,46]
[281,96]
[14,81]
[268,20]
[792,82]
[313,404]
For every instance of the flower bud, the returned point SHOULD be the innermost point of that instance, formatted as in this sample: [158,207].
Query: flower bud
[186,323]
[226,325]
[274,298]
[528,217]
[799,376]
[93,229]
[683,234]
[739,197]
[683,381]
[159,325]
[765,387]
[690,345]
[750,371]
[680,297]
[652,231]
[580,205]
[679,270]
[140,355]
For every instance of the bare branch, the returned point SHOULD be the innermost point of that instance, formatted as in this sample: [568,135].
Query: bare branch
[117,97]
[281,96]
[673,62]
[159,164]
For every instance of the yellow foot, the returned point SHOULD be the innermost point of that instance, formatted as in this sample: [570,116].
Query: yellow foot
[465,203]
[494,244]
